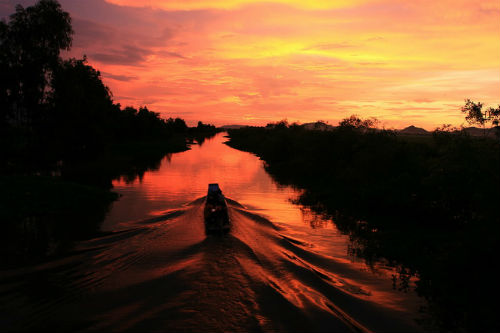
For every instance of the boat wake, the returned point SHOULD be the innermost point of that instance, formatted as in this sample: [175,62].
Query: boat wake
[166,274]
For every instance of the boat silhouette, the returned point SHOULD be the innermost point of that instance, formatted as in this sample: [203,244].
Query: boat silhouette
[215,212]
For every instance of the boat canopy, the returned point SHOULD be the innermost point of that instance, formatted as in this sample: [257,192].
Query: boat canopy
[213,188]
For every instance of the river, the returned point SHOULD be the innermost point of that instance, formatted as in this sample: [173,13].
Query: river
[281,267]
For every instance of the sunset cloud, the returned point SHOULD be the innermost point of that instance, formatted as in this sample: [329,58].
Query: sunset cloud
[259,61]
[232,4]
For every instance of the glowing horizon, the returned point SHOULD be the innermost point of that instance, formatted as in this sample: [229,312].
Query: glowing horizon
[253,62]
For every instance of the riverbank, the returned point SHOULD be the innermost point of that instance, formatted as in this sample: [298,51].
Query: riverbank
[425,206]
[46,206]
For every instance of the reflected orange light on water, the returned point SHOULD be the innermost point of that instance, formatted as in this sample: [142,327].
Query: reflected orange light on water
[290,272]
[185,177]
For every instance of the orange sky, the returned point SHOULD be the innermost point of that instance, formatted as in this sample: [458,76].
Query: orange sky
[252,62]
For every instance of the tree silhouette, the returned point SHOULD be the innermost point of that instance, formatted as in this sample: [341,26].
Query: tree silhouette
[354,122]
[81,106]
[473,111]
[474,114]
[176,125]
[30,44]
[61,108]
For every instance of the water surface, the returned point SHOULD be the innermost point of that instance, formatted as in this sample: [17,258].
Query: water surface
[184,177]
[281,268]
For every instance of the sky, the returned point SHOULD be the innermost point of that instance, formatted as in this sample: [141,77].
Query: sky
[254,62]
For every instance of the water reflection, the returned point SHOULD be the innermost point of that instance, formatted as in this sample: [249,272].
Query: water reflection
[155,269]
[183,177]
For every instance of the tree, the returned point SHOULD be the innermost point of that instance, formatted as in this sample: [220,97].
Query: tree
[282,124]
[492,115]
[179,125]
[474,114]
[354,122]
[473,111]
[77,87]
[30,44]
[204,127]
[80,110]
[176,125]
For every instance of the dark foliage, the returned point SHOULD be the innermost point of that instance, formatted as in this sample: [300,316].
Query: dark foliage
[63,139]
[30,45]
[60,109]
[427,206]
[201,132]
[474,114]
[41,216]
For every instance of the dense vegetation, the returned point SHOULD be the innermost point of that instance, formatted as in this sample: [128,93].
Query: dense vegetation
[424,204]
[63,139]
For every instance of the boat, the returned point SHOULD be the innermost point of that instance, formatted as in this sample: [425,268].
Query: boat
[215,213]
